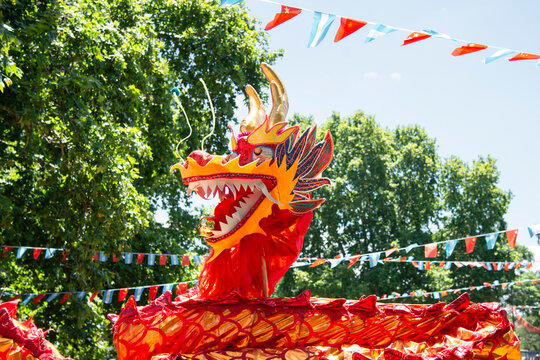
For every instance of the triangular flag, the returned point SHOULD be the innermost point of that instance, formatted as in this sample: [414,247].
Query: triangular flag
[448,265]
[428,265]
[80,294]
[37,251]
[8,248]
[174,260]
[185,260]
[511,235]
[151,259]
[102,256]
[38,298]
[321,24]
[52,297]
[441,264]
[140,258]
[437,34]
[414,37]
[152,293]
[352,260]
[107,296]
[114,258]
[66,297]
[388,252]
[410,247]
[95,257]
[138,293]
[524,56]
[497,55]
[230,2]
[28,298]
[430,250]
[374,259]
[122,293]
[49,253]
[162,259]
[378,31]
[20,252]
[93,296]
[317,262]
[65,255]
[167,287]
[287,13]
[490,240]
[420,265]
[467,49]
[533,230]
[469,244]
[489,266]
[347,27]
[450,245]
[128,258]
[181,288]
[335,262]
[458,264]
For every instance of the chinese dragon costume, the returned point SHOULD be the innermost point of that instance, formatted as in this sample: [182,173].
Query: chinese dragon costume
[264,186]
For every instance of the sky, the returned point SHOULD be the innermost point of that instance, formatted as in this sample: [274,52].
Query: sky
[472,110]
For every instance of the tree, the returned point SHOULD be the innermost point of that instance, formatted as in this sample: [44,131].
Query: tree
[87,140]
[391,189]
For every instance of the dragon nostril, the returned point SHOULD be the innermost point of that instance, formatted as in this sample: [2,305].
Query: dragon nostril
[201,157]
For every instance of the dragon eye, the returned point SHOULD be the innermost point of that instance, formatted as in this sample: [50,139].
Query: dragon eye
[262,153]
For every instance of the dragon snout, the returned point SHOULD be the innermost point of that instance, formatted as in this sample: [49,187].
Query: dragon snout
[201,157]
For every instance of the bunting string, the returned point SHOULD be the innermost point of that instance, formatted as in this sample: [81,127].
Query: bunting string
[430,251]
[106,295]
[322,22]
[442,293]
[102,256]
[420,265]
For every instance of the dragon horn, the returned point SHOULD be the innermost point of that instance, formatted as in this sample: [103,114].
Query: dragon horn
[280,101]
[256,113]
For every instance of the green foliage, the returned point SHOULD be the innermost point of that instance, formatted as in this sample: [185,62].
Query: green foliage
[391,188]
[87,137]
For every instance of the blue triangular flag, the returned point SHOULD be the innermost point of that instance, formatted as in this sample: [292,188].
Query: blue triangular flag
[52,297]
[410,247]
[128,258]
[49,253]
[450,245]
[229,2]
[498,54]
[448,265]
[496,282]
[378,31]
[438,34]
[436,295]
[491,239]
[151,259]
[321,24]
[420,265]
[174,260]
[534,229]
[28,298]
[80,295]
[138,293]
[167,287]
[102,256]
[373,259]
[107,296]
[335,262]
[20,252]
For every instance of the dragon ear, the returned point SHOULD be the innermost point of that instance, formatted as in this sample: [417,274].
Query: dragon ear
[280,101]
[302,207]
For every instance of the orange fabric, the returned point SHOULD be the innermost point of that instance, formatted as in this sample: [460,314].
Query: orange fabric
[304,328]
[467,49]
[414,37]
[347,27]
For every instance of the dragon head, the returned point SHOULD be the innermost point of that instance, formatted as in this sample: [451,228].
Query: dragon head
[270,163]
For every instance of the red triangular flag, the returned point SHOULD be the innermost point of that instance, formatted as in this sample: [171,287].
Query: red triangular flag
[414,37]
[430,250]
[389,251]
[441,264]
[469,244]
[503,285]
[37,251]
[37,298]
[524,56]
[534,282]
[64,254]
[140,258]
[317,262]
[506,266]
[65,297]
[444,293]
[95,257]
[458,264]
[152,293]
[428,265]
[353,260]
[185,260]
[93,296]
[347,27]
[122,293]
[6,249]
[181,288]
[162,259]
[114,258]
[287,13]
[511,235]
[467,49]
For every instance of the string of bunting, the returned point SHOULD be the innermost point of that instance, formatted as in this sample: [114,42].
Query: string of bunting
[102,256]
[106,295]
[524,307]
[442,293]
[422,265]
[430,251]
[347,26]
